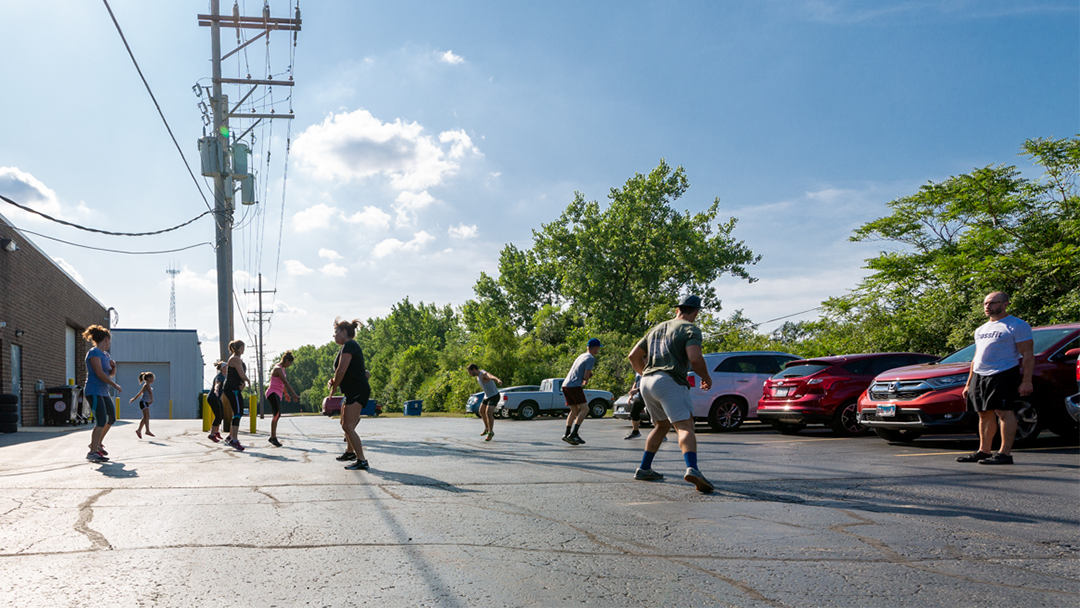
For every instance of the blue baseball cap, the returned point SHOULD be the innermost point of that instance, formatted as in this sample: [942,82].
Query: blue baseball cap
[594,342]
[690,302]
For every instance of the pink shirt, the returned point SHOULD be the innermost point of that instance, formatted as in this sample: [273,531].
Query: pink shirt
[277,384]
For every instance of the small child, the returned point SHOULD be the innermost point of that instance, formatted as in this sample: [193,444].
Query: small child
[145,397]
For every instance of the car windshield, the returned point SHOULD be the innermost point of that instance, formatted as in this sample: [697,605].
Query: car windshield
[1042,338]
[800,371]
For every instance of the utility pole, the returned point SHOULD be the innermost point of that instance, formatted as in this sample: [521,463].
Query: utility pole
[225,160]
[263,316]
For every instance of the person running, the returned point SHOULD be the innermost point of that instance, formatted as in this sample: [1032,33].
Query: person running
[636,403]
[491,399]
[214,399]
[662,358]
[351,377]
[99,371]
[235,380]
[146,398]
[276,391]
[573,388]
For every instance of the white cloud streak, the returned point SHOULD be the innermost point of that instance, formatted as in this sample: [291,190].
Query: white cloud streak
[390,246]
[461,231]
[296,268]
[451,58]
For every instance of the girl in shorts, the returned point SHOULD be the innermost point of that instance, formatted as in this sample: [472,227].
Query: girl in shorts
[274,393]
[145,397]
[235,380]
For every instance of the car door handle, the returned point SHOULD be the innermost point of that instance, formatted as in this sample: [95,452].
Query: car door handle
[742,380]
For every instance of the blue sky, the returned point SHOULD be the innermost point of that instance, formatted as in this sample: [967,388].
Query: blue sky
[428,135]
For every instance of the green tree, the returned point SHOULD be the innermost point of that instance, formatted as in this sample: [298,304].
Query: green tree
[955,241]
[615,264]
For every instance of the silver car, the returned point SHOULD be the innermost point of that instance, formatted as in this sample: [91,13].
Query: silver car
[737,382]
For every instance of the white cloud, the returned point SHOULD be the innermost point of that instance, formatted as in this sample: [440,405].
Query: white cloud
[297,268]
[280,306]
[68,268]
[25,189]
[323,217]
[333,270]
[356,145]
[389,246]
[329,254]
[461,231]
[407,204]
[189,281]
[451,58]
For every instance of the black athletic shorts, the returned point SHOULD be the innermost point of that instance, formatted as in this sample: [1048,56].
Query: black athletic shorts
[361,396]
[998,392]
[275,403]
[637,404]
[491,401]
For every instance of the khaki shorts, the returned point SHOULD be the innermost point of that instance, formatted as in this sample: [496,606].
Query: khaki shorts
[666,399]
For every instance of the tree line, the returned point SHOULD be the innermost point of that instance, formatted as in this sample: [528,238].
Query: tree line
[611,271]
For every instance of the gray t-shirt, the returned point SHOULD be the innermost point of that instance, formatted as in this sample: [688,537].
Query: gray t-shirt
[995,345]
[666,345]
[576,377]
[490,390]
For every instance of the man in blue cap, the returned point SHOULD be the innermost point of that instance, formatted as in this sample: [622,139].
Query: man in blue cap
[663,358]
[573,389]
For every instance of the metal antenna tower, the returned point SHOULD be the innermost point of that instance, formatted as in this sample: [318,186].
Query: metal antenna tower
[172,296]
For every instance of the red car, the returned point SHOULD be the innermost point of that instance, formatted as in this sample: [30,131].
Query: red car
[903,404]
[826,390]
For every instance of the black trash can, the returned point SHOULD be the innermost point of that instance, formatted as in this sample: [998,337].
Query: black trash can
[62,405]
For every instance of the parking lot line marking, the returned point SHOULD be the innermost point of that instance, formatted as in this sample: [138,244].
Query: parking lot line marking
[961,452]
[797,440]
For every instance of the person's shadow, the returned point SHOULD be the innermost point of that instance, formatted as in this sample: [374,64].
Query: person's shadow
[116,470]
[410,479]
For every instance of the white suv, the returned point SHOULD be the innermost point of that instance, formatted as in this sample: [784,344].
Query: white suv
[737,382]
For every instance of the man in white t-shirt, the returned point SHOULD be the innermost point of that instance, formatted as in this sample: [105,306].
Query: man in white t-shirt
[1002,346]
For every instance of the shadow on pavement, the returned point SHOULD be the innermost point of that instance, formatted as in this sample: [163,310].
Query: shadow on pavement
[116,470]
[411,479]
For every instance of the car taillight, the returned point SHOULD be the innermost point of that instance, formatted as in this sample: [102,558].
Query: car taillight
[506,397]
[820,384]
[692,381]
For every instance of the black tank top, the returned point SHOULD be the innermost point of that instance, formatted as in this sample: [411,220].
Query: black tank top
[232,378]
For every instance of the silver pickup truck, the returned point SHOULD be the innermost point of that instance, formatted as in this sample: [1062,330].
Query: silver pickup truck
[549,401]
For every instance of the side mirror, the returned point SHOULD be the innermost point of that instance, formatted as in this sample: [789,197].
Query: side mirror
[1072,354]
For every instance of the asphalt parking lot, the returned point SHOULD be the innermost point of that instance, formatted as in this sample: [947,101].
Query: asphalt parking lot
[445,519]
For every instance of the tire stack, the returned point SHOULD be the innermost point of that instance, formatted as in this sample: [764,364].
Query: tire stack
[9,413]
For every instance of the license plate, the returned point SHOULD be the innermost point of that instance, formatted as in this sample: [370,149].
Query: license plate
[886,411]
[782,391]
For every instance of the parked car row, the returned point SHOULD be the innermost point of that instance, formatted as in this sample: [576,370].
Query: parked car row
[901,396]
[529,401]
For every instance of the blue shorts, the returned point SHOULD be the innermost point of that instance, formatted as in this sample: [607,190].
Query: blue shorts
[104,412]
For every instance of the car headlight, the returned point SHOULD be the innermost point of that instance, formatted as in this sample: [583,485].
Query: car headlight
[472,400]
[948,381]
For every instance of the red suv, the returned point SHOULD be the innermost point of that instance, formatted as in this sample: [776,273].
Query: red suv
[904,403]
[825,390]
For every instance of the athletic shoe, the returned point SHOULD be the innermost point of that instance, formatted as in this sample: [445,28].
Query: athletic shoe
[973,457]
[218,435]
[274,441]
[138,433]
[359,465]
[213,437]
[633,434]
[998,458]
[95,457]
[101,450]
[235,443]
[347,456]
[647,475]
[489,436]
[695,477]
[150,434]
[567,439]
[577,440]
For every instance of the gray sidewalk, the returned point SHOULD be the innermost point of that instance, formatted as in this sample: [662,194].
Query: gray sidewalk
[445,519]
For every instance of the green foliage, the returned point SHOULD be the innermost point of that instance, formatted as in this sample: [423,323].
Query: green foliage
[614,265]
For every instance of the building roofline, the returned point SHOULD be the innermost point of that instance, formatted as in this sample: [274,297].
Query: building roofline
[30,241]
[116,329]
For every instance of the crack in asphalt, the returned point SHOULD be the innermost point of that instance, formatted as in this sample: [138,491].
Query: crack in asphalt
[97,540]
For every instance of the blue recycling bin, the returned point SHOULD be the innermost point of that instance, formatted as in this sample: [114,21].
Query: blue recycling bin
[414,408]
[369,409]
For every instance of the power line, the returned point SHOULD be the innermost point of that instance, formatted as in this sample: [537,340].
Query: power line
[158,106]
[787,316]
[51,238]
[66,223]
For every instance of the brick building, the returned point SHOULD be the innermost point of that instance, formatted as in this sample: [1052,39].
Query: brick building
[44,312]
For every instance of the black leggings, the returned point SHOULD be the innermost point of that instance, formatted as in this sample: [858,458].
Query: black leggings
[236,401]
[216,407]
[275,404]
[636,405]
